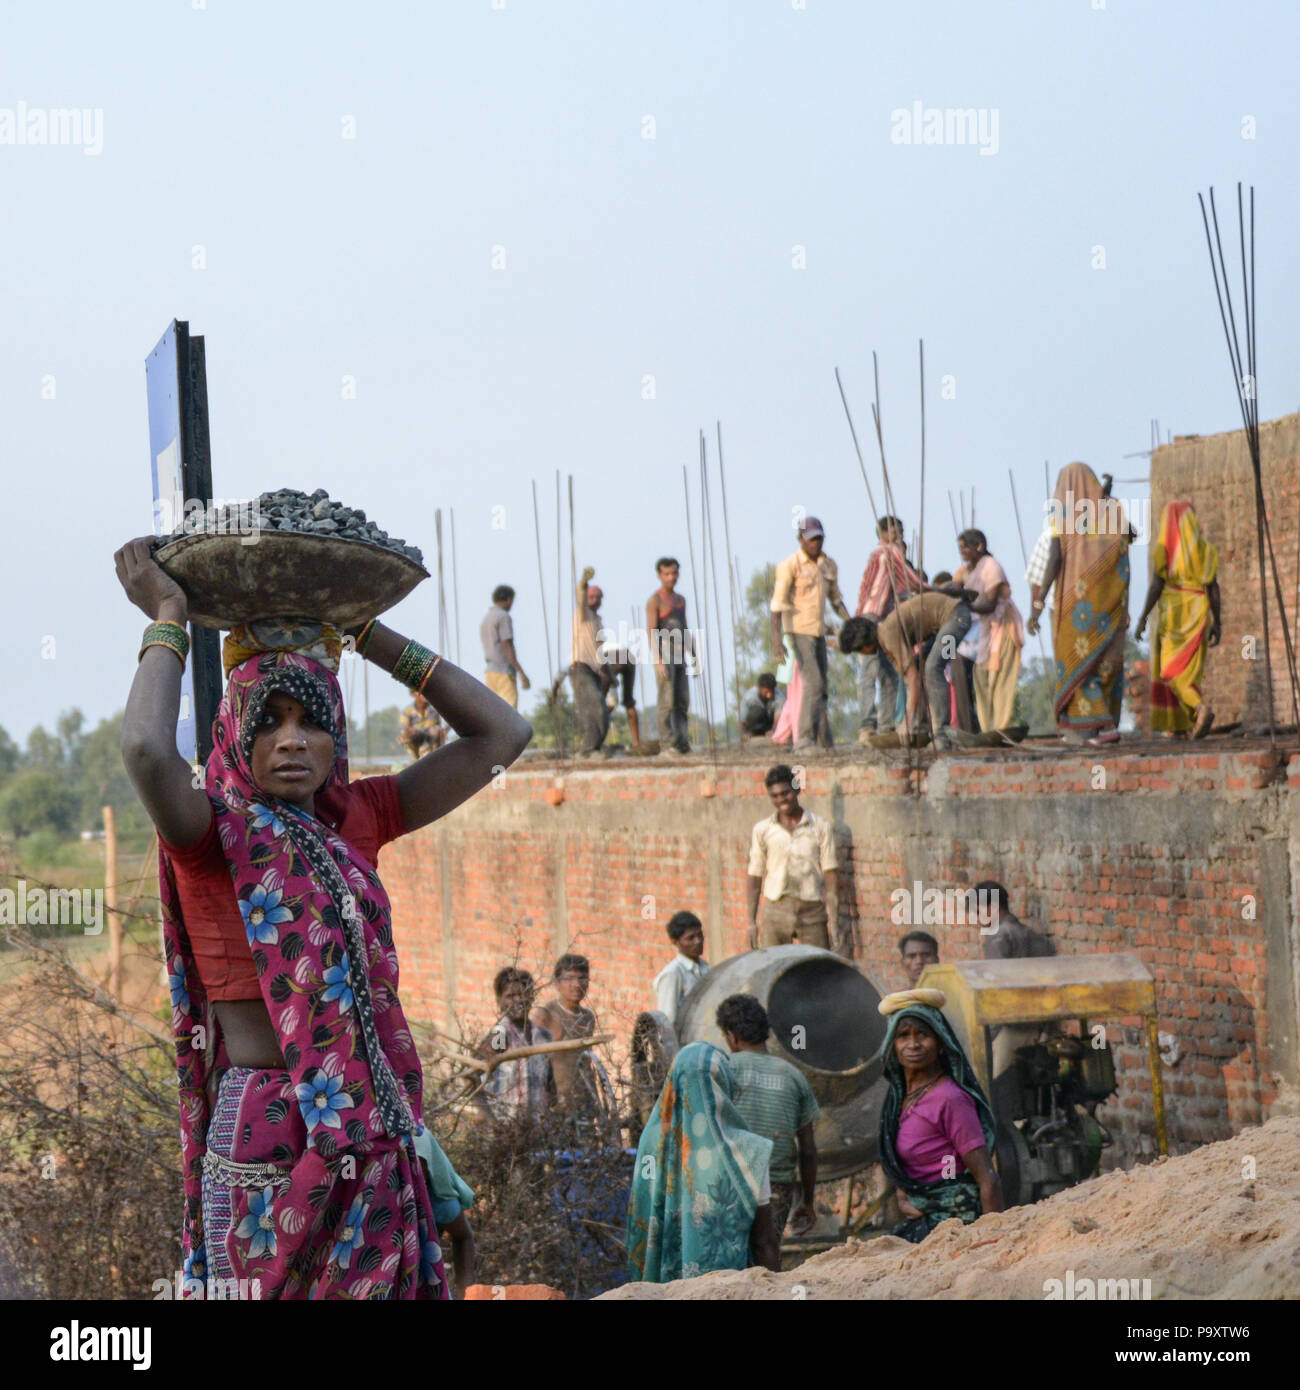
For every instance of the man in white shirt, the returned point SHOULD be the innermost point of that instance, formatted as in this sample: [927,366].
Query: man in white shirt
[793,871]
[686,969]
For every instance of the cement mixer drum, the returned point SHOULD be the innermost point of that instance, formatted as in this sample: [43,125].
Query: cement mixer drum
[824,1018]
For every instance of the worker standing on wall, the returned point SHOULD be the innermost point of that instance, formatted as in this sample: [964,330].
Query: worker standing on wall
[793,871]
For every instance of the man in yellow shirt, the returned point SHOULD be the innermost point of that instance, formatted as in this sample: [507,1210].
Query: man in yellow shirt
[805,583]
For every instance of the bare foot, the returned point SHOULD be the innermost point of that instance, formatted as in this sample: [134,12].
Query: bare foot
[1204,718]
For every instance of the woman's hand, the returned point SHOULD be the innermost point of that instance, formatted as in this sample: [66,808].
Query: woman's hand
[147,584]
[1140,628]
[1215,633]
[905,1206]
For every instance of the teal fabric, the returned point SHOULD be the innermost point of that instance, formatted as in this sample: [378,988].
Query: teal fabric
[936,1201]
[448,1191]
[697,1177]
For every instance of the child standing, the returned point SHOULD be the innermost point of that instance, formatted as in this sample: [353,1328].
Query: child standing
[676,980]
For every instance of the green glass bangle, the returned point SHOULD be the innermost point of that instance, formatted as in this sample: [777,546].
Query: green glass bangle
[363,637]
[413,666]
[166,634]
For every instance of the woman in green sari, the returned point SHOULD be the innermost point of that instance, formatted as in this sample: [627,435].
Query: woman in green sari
[701,1199]
[936,1126]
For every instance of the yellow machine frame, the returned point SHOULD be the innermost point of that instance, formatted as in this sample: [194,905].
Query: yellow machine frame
[986,993]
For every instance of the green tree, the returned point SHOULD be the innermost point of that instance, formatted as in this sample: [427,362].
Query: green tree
[384,724]
[543,719]
[37,798]
[10,755]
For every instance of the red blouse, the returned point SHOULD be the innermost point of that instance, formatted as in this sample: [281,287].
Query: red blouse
[367,814]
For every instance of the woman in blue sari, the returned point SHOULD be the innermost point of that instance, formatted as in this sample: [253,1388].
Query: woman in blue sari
[701,1199]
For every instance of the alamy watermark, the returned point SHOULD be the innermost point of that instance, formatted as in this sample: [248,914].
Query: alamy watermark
[668,646]
[1107,516]
[61,125]
[176,516]
[919,906]
[52,907]
[1071,1289]
[919,124]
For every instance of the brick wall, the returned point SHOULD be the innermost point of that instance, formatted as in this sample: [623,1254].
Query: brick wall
[1189,862]
[1213,473]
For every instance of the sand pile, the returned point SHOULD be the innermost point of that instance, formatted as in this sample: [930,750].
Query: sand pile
[1196,1226]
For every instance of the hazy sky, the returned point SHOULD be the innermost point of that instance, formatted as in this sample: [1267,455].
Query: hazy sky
[772,229]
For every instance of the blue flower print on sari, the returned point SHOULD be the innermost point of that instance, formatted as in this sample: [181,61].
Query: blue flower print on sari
[351,1236]
[340,987]
[263,910]
[430,1255]
[1084,616]
[264,816]
[1121,567]
[1103,622]
[176,983]
[320,1098]
[258,1227]
[196,1265]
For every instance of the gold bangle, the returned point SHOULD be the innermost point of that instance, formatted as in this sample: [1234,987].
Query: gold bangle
[429,673]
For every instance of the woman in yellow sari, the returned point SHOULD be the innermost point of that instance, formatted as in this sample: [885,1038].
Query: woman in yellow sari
[1184,582]
[1088,562]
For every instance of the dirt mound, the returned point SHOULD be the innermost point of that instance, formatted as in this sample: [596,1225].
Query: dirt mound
[1199,1226]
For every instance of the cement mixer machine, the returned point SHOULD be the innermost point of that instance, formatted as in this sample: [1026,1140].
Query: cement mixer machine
[825,1020]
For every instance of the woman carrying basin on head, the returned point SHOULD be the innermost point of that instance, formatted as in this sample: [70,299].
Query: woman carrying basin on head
[300,1088]
[936,1127]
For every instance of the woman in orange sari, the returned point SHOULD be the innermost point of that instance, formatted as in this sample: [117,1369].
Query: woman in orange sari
[1184,583]
[1089,564]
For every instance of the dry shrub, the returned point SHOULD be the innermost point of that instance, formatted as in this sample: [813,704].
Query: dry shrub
[550,1200]
[90,1184]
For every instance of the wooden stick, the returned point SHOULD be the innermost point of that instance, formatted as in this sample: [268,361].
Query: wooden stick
[110,904]
[541,586]
[701,683]
[513,1054]
[731,576]
[920,544]
[706,540]
[455,589]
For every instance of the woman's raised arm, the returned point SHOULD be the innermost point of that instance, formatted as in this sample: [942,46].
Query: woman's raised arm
[162,779]
[491,735]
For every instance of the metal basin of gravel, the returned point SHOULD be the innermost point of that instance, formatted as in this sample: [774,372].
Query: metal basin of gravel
[287,574]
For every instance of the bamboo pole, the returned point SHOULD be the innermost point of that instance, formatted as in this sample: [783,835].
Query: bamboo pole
[701,686]
[110,904]
[920,544]
[455,588]
[731,577]
[706,543]
[541,588]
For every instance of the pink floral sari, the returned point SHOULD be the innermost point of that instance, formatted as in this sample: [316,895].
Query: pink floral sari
[311,1170]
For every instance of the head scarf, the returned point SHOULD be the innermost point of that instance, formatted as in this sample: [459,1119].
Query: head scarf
[1181,555]
[698,1175]
[952,1059]
[319,926]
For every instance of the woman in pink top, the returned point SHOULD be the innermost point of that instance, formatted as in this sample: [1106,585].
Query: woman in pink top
[1002,632]
[936,1126]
